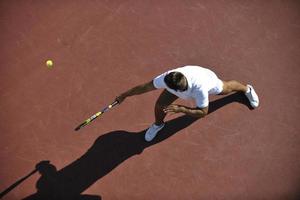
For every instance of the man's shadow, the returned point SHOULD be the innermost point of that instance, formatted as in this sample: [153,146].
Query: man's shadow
[108,151]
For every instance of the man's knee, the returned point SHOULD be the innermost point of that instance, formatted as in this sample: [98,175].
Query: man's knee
[165,99]
[160,105]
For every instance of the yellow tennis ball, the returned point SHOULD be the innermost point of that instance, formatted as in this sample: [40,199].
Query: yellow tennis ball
[49,64]
[110,106]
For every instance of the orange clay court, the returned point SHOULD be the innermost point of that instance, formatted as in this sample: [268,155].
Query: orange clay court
[102,48]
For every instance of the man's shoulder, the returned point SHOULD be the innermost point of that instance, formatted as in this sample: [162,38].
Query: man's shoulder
[192,67]
[185,67]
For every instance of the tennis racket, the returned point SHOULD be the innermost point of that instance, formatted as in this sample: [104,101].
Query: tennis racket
[92,118]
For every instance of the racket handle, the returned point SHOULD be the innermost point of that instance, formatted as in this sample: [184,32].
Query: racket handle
[115,103]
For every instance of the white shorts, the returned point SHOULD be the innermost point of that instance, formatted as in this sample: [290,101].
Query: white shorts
[218,88]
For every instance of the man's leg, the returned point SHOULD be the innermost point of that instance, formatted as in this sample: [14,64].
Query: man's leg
[248,90]
[166,98]
[233,86]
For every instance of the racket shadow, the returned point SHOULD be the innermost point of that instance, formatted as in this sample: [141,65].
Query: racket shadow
[108,151]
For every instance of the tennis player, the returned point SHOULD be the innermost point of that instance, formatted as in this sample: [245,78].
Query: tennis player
[188,82]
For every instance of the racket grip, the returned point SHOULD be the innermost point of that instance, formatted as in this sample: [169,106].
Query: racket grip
[115,103]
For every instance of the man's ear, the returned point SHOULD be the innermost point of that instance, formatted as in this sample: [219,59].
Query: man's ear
[186,83]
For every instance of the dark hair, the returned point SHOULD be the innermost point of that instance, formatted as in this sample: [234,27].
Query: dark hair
[173,80]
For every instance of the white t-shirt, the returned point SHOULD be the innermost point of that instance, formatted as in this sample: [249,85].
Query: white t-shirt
[201,83]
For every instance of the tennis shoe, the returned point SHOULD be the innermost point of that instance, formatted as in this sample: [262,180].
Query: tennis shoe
[252,96]
[152,132]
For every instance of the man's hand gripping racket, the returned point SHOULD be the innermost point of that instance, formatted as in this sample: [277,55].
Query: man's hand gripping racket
[92,118]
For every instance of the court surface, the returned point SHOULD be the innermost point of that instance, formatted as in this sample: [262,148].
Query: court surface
[102,48]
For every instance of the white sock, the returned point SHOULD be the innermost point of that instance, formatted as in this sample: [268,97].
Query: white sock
[248,89]
[156,126]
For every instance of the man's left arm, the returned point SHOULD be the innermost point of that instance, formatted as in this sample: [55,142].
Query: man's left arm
[194,112]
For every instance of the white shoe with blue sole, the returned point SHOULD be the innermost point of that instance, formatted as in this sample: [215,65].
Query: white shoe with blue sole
[152,132]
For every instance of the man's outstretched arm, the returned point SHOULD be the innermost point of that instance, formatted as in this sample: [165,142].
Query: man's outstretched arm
[140,89]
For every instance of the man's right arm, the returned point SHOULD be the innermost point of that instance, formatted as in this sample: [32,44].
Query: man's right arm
[140,89]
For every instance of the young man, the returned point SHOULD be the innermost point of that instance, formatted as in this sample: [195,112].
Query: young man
[188,82]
